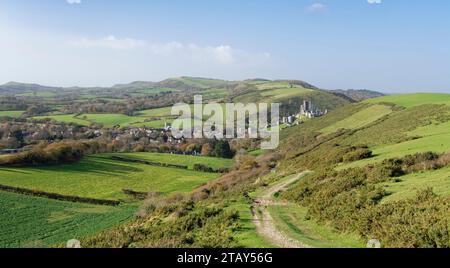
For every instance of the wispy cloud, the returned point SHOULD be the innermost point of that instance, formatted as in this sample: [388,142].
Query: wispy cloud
[316,7]
[374,1]
[223,54]
[72,2]
[109,42]
[220,54]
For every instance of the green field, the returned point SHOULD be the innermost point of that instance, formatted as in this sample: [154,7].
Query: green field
[41,94]
[272,85]
[155,118]
[185,160]
[65,118]
[111,120]
[291,219]
[360,119]
[108,120]
[411,100]
[158,112]
[38,222]
[197,82]
[11,113]
[284,93]
[410,184]
[100,177]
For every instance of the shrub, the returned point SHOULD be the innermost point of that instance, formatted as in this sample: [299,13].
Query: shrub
[223,149]
[203,168]
[357,154]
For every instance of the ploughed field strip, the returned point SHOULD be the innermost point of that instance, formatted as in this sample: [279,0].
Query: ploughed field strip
[41,222]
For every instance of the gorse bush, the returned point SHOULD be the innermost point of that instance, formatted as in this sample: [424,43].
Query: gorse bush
[418,222]
[357,154]
[350,200]
[181,225]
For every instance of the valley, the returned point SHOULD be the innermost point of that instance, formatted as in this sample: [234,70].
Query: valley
[385,156]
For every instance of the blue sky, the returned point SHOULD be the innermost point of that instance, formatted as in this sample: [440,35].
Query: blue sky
[391,46]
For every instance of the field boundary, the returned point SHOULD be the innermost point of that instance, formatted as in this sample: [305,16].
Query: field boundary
[60,197]
[145,162]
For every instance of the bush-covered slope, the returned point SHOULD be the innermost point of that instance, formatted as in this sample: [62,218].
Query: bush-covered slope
[385,178]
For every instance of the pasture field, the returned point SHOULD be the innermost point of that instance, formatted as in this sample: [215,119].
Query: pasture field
[11,113]
[108,120]
[152,123]
[214,93]
[155,118]
[65,118]
[359,119]
[204,83]
[111,120]
[185,160]
[158,112]
[411,100]
[40,222]
[284,93]
[104,178]
[272,85]
[41,94]
[410,184]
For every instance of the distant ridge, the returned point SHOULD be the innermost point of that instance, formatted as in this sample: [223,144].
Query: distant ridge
[186,83]
[358,94]
[17,88]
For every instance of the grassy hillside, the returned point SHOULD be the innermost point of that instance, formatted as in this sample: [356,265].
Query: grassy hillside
[360,119]
[350,188]
[100,177]
[411,100]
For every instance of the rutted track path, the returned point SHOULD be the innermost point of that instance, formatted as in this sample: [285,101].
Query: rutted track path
[265,225]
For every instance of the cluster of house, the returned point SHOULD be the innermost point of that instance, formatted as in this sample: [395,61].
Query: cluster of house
[307,110]
[155,135]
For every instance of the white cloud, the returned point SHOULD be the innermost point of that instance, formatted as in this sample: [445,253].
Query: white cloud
[77,2]
[91,61]
[374,1]
[223,54]
[110,42]
[316,7]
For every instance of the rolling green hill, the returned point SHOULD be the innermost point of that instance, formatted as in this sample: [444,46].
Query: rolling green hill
[408,136]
